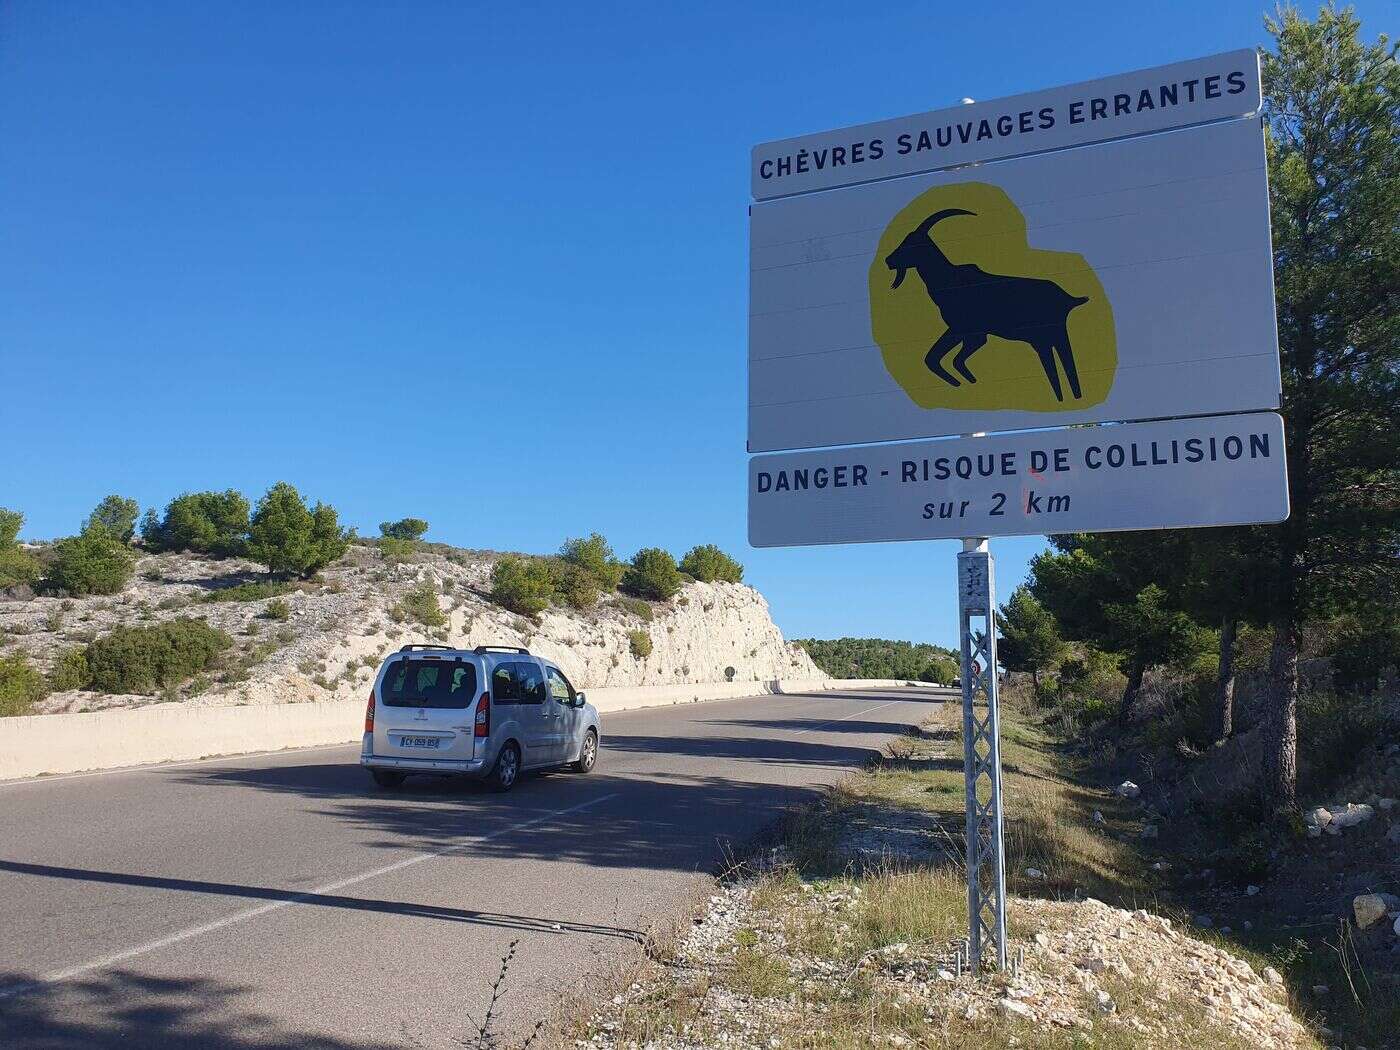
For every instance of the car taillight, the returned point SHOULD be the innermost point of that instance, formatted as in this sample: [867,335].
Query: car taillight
[369,712]
[483,715]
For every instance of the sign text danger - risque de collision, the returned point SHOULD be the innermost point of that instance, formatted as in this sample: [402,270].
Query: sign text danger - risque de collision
[1172,473]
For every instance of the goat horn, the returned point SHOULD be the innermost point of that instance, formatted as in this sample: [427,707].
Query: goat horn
[939,216]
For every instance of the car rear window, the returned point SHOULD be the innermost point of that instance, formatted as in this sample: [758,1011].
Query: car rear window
[429,683]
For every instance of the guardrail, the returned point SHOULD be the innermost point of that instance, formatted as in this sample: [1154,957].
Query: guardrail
[31,745]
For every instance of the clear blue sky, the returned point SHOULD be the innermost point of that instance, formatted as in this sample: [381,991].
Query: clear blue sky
[393,252]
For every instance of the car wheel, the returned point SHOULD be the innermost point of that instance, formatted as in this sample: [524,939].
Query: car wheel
[387,778]
[588,755]
[506,771]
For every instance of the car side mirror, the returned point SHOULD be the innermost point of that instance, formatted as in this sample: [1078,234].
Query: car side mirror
[580,699]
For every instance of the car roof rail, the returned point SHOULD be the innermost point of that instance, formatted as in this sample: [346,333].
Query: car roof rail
[416,646]
[502,649]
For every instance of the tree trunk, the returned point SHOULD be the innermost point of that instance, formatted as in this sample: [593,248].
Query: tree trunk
[1281,752]
[1225,684]
[1135,673]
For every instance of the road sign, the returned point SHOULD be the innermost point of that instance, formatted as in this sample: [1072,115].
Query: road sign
[1221,470]
[967,271]
[1173,96]
[1131,280]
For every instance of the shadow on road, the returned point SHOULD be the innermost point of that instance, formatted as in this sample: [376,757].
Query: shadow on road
[408,909]
[122,1010]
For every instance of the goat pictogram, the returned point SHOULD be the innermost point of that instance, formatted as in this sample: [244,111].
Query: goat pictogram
[976,304]
[999,323]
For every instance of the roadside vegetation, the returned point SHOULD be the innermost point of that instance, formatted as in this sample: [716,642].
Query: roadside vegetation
[144,659]
[586,569]
[882,658]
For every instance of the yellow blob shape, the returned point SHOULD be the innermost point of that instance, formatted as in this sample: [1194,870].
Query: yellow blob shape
[906,321]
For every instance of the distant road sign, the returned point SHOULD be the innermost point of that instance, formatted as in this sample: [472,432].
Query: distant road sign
[1221,470]
[1131,280]
[1157,99]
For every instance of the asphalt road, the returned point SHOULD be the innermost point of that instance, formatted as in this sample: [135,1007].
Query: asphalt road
[280,900]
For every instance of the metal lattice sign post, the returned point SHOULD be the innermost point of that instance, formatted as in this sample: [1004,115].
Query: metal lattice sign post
[986,854]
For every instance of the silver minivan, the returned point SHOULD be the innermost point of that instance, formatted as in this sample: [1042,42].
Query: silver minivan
[491,713]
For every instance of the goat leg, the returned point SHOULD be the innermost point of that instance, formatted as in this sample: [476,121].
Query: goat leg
[971,345]
[1047,361]
[1066,353]
[939,350]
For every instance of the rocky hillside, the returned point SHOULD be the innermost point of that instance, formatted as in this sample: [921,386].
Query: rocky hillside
[324,640]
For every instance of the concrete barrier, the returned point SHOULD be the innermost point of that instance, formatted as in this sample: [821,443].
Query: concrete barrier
[32,745]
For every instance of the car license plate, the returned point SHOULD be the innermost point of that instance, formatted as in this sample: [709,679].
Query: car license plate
[419,741]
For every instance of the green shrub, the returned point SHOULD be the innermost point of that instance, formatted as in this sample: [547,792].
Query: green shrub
[594,556]
[92,563]
[20,685]
[640,644]
[115,518]
[145,659]
[291,540]
[71,671]
[214,523]
[709,564]
[940,671]
[522,585]
[410,529]
[253,591]
[1333,728]
[652,575]
[576,586]
[421,604]
[17,566]
[277,609]
[397,550]
[638,608]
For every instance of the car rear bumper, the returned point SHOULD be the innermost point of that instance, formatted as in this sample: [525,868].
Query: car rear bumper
[464,767]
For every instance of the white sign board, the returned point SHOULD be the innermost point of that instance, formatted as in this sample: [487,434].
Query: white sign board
[1173,96]
[1132,280]
[1222,470]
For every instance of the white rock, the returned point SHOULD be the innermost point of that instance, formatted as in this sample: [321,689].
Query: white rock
[1353,815]
[1161,865]
[1011,1008]
[1034,873]
[1272,976]
[1104,1003]
[1098,818]
[1320,989]
[1317,817]
[1251,890]
[1127,789]
[1369,909]
[1042,940]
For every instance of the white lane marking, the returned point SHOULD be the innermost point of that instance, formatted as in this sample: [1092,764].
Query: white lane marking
[158,767]
[262,909]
